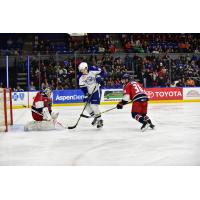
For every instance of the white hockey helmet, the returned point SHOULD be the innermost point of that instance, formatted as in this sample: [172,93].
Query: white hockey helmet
[82,66]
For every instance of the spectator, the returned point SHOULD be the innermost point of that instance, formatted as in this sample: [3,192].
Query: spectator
[190,82]
[1,85]
[161,76]
[180,83]
[147,78]
[154,79]
[173,84]
[53,85]
[32,86]
[18,89]
[44,84]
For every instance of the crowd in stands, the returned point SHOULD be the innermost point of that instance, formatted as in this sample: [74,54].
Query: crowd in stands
[47,43]
[11,44]
[151,70]
[62,75]
[161,43]
[149,57]
[164,71]
[48,73]
[92,43]
[129,43]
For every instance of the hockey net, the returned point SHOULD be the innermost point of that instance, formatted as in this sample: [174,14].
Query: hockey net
[6,114]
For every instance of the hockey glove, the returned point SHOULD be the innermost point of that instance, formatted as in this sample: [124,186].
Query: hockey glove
[99,80]
[54,115]
[86,98]
[121,104]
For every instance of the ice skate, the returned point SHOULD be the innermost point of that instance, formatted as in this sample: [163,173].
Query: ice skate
[94,121]
[100,123]
[145,126]
[152,126]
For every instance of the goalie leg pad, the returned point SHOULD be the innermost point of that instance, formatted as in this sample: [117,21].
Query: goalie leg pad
[40,126]
[46,114]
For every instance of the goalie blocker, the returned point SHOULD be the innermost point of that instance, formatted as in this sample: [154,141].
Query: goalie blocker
[44,118]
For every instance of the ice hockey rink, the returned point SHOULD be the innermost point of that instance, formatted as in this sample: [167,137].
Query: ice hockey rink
[175,141]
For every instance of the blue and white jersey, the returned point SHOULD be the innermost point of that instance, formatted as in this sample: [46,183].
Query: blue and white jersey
[87,82]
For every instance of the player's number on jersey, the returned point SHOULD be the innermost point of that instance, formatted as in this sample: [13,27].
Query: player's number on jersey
[137,88]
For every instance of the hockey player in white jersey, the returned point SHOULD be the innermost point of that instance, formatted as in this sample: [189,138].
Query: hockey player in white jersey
[89,82]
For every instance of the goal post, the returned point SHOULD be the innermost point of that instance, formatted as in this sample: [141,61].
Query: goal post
[6,113]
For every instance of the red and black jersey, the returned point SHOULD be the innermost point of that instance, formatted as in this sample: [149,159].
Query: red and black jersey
[134,91]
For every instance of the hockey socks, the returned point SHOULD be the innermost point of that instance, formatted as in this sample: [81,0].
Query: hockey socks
[138,117]
[144,120]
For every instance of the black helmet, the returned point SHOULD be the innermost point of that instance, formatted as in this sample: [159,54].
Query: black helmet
[126,76]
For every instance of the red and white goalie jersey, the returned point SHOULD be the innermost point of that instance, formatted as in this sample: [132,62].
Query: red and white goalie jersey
[41,104]
[44,118]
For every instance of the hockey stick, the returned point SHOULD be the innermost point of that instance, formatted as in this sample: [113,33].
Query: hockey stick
[105,111]
[86,116]
[81,115]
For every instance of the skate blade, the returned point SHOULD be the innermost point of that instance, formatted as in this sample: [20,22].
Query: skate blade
[99,127]
[145,128]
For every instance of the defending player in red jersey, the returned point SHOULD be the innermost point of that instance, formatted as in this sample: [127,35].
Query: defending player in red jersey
[135,92]
[44,118]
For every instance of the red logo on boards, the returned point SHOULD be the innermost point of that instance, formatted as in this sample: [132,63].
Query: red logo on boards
[165,93]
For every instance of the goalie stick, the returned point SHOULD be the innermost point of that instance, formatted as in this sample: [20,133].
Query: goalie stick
[55,121]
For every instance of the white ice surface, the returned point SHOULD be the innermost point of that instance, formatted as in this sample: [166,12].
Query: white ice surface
[176,140]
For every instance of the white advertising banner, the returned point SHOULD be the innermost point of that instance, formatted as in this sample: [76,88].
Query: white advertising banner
[191,93]
[20,99]
[23,99]
[31,97]
[109,95]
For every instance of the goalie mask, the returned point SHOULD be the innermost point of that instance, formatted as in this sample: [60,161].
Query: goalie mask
[47,92]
